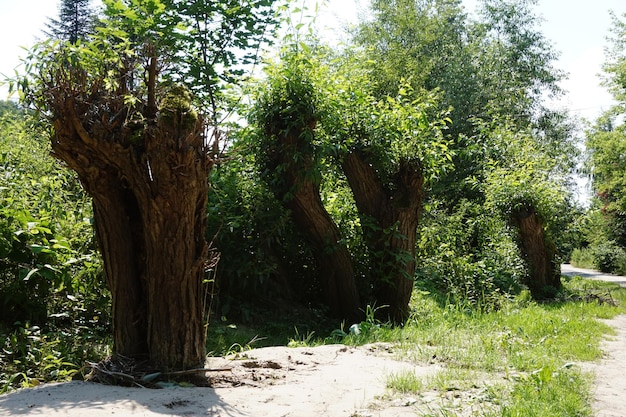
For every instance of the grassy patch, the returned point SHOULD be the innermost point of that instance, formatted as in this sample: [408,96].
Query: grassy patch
[520,358]
[406,382]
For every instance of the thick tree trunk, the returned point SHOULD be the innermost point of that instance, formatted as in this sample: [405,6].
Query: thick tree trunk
[149,190]
[391,241]
[176,245]
[544,278]
[119,238]
[300,192]
[333,260]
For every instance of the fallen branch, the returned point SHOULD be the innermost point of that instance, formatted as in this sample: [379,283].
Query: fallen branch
[196,371]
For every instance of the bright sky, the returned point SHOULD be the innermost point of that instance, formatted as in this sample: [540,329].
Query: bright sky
[577,28]
[20,23]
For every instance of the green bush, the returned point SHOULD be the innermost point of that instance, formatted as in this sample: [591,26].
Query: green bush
[30,356]
[468,254]
[583,258]
[609,256]
[53,299]
[262,256]
[49,272]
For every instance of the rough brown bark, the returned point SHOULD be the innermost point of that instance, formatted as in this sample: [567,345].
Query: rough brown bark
[149,185]
[395,214]
[333,260]
[300,191]
[544,277]
[118,237]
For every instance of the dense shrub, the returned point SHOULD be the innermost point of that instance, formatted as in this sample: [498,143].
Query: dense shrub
[468,254]
[52,293]
[262,257]
[609,257]
[583,258]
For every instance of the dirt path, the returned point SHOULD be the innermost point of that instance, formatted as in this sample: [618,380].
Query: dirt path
[567,269]
[610,372]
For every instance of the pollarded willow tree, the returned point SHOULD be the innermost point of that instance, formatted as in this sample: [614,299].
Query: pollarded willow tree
[123,117]
[530,192]
[287,113]
[314,109]
[389,150]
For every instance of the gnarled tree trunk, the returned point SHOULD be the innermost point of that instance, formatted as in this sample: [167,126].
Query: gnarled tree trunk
[300,192]
[544,278]
[149,186]
[333,260]
[391,241]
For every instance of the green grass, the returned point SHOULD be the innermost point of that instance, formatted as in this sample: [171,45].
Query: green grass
[548,393]
[527,348]
[406,382]
[301,327]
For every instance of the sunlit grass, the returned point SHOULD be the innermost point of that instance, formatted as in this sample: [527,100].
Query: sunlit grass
[565,392]
[529,349]
[406,382]
[518,358]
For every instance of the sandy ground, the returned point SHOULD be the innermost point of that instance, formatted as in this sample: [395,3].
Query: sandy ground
[330,380]
[610,373]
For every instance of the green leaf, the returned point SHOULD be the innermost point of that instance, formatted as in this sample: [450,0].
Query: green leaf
[30,274]
[35,248]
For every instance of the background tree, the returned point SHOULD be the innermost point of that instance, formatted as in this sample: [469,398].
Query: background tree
[606,146]
[495,67]
[140,150]
[531,194]
[224,40]
[76,21]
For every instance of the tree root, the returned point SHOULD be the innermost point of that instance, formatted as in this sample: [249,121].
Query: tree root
[128,372]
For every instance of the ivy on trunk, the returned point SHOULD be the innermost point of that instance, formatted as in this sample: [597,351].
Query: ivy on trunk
[288,158]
